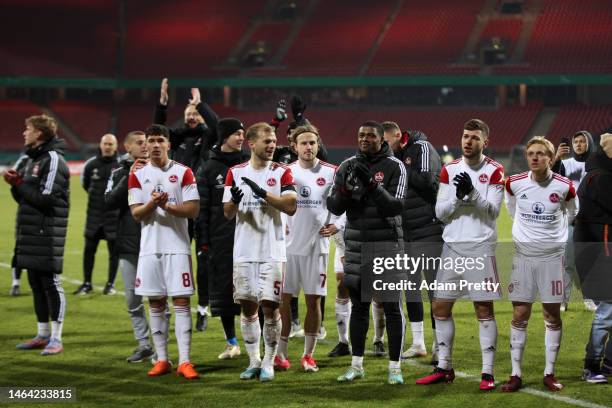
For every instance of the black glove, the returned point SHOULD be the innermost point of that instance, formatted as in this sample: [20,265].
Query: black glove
[297,108]
[363,173]
[237,194]
[281,110]
[257,191]
[463,183]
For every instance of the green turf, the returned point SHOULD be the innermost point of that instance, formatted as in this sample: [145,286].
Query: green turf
[98,337]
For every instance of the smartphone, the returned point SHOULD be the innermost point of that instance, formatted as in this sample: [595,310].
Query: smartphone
[565,140]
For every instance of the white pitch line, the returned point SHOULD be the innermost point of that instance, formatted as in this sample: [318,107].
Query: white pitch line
[78,282]
[526,390]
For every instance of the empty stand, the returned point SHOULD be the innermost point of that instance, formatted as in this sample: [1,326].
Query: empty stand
[571,119]
[88,120]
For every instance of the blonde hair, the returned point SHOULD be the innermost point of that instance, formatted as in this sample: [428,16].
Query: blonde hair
[541,140]
[603,138]
[252,133]
[44,124]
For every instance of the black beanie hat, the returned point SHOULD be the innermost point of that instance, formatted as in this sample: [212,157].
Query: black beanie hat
[226,127]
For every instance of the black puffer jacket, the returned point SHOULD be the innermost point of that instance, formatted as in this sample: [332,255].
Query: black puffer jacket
[94,179]
[595,192]
[375,216]
[423,163]
[116,198]
[44,200]
[188,146]
[214,230]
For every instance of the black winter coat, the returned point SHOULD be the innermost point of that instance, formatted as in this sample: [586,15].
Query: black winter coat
[44,201]
[214,230]
[94,179]
[376,215]
[116,198]
[423,164]
[188,146]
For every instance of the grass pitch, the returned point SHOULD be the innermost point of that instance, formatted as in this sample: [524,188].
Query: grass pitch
[98,338]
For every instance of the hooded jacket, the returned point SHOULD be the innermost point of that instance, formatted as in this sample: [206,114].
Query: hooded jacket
[423,164]
[214,230]
[595,192]
[44,200]
[94,180]
[574,167]
[375,214]
[116,199]
[190,146]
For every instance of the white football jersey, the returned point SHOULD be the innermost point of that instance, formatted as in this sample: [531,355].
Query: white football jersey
[260,229]
[472,219]
[312,186]
[163,233]
[540,212]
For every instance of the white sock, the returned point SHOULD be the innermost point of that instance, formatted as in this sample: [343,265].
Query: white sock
[394,365]
[201,309]
[271,335]
[378,315]
[42,329]
[56,330]
[552,341]
[488,344]
[445,333]
[159,332]
[182,331]
[418,339]
[357,361]
[343,316]
[518,338]
[15,282]
[283,346]
[310,342]
[434,344]
[251,332]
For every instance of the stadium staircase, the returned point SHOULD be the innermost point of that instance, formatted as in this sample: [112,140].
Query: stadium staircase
[542,124]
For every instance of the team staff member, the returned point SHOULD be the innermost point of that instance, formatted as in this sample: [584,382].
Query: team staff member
[101,223]
[40,185]
[373,215]
[128,239]
[215,234]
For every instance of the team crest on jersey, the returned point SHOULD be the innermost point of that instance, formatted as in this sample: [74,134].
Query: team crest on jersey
[408,161]
[537,207]
[137,283]
[173,178]
[35,170]
[271,182]
[220,180]
[554,198]
[320,181]
[305,191]
[379,177]
[483,178]
[95,175]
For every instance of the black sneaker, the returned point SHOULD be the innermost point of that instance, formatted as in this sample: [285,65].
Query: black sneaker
[15,291]
[141,353]
[109,289]
[84,289]
[341,349]
[201,321]
[379,349]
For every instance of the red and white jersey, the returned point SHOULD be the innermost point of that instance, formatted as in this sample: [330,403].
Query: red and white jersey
[260,229]
[312,186]
[472,219]
[163,233]
[540,212]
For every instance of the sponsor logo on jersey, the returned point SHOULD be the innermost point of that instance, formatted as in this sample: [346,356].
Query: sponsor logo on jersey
[305,191]
[147,181]
[483,178]
[538,207]
[379,177]
[554,198]
[320,181]
[523,197]
[271,182]
[173,178]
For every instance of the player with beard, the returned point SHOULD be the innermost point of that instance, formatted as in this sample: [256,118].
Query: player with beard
[256,193]
[469,207]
